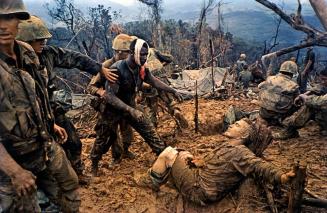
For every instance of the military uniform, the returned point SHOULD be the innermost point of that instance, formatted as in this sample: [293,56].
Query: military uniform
[152,96]
[240,64]
[277,95]
[245,78]
[129,82]
[26,123]
[52,57]
[103,125]
[315,108]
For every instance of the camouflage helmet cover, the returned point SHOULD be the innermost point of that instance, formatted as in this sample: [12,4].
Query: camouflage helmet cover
[32,29]
[15,7]
[122,42]
[289,67]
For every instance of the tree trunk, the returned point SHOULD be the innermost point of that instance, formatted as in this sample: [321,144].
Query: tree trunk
[320,8]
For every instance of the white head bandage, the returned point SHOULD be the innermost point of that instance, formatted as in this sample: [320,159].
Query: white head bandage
[137,52]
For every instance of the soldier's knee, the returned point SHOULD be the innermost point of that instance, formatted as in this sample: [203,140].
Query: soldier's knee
[70,201]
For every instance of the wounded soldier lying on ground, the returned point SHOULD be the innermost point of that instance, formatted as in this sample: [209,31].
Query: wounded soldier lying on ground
[222,170]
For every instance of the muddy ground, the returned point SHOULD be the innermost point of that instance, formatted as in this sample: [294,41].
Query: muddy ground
[115,190]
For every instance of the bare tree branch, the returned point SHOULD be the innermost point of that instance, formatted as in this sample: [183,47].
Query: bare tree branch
[320,7]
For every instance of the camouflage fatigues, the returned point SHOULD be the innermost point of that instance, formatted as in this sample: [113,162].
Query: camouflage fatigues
[153,96]
[125,89]
[277,95]
[120,143]
[245,78]
[25,128]
[315,108]
[239,66]
[225,168]
[52,57]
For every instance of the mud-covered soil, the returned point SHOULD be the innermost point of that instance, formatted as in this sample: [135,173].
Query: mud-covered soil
[115,190]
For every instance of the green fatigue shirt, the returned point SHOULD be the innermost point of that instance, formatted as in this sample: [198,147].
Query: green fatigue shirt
[227,166]
[25,115]
[245,78]
[277,93]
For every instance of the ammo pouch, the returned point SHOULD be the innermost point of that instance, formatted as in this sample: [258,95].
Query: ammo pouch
[19,146]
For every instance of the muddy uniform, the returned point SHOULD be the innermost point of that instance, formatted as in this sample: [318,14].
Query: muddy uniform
[153,96]
[310,56]
[26,124]
[225,168]
[245,78]
[52,57]
[315,108]
[129,82]
[277,95]
[102,127]
[240,64]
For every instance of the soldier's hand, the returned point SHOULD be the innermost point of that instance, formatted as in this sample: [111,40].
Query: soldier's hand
[61,133]
[300,100]
[178,96]
[137,115]
[109,74]
[287,177]
[23,182]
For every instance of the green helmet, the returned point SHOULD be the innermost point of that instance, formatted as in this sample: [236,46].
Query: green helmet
[289,67]
[122,42]
[32,29]
[15,7]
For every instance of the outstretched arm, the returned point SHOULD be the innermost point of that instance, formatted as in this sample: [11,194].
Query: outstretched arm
[156,83]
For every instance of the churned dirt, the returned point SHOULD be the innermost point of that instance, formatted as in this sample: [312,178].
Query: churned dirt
[115,189]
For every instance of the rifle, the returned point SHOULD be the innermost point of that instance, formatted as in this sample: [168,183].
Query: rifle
[196,114]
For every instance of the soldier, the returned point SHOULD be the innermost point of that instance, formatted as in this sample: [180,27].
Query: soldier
[240,65]
[245,77]
[309,63]
[96,87]
[221,171]
[277,95]
[155,63]
[314,108]
[120,98]
[29,156]
[35,32]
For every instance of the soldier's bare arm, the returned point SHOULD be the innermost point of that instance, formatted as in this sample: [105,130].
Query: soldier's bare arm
[23,181]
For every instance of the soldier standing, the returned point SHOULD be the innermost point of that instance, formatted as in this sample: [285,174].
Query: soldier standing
[120,98]
[309,63]
[35,32]
[240,65]
[96,87]
[29,156]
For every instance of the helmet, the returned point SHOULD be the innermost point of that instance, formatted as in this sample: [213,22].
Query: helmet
[289,67]
[15,7]
[243,56]
[32,29]
[122,42]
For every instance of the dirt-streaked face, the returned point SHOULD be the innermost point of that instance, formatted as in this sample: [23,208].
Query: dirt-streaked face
[38,45]
[121,55]
[143,55]
[8,29]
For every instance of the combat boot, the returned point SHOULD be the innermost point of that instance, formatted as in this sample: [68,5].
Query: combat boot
[115,162]
[83,179]
[129,155]
[95,168]
[285,134]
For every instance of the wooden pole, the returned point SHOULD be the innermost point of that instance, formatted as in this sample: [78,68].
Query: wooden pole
[212,74]
[297,189]
[196,114]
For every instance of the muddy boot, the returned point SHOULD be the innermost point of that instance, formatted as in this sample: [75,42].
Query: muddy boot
[285,134]
[129,155]
[95,168]
[114,162]
[181,119]
[146,181]
[83,179]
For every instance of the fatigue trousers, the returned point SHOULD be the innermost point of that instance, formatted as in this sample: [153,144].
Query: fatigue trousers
[107,128]
[58,181]
[73,145]
[305,114]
